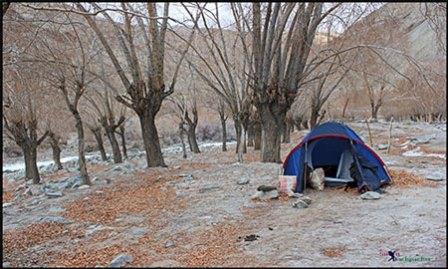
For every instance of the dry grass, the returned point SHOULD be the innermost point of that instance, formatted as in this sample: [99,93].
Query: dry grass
[401,178]
[7,196]
[334,252]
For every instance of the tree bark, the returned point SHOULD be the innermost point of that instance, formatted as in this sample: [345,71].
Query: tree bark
[250,135]
[375,108]
[31,170]
[192,141]
[181,134]
[286,133]
[257,136]
[244,140]
[123,141]
[271,124]
[151,143]
[344,109]
[224,133]
[99,141]
[54,142]
[81,151]
[114,144]
[314,116]
[238,131]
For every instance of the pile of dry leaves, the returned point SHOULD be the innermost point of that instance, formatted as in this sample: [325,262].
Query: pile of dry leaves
[401,178]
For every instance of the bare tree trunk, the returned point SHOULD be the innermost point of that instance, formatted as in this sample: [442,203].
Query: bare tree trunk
[99,141]
[375,108]
[314,116]
[286,133]
[151,143]
[114,143]
[250,136]
[192,141]
[240,158]
[31,170]
[271,136]
[224,133]
[370,134]
[257,136]
[181,134]
[54,142]
[244,140]
[123,140]
[344,109]
[81,154]
[389,141]
[238,131]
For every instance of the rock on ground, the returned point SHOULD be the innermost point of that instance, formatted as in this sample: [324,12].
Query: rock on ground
[242,181]
[370,195]
[121,260]
[317,179]
[265,195]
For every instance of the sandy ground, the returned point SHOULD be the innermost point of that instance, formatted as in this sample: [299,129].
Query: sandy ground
[194,213]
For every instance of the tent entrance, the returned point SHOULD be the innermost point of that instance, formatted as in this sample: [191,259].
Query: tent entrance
[334,156]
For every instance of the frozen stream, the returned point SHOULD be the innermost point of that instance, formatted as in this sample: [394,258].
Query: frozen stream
[17,166]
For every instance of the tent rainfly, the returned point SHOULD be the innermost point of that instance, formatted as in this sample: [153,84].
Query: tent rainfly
[345,158]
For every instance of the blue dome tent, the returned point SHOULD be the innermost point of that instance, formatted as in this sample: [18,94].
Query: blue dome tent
[342,154]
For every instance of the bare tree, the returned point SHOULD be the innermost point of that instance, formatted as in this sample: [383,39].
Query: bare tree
[67,58]
[183,109]
[98,134]
[146,89]
[56,149]
[122,134]
[21,121]
[280,63]
[217,60]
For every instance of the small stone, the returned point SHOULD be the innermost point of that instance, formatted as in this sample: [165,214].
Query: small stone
[33,190]
[55,209]
[169,244]
[82,187]
[93,229]
[435,176]
[242,181]
[265,188]
[318,179]
[306,199]
[6,264]
[121,260]
[6,204]
[382,146]
[57,219]
[370,195]
[300,204]
[55,194]
[295,194]
[262,195]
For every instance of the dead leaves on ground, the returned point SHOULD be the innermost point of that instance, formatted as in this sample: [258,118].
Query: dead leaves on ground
[334,252]
[401,178]
[34,234]
[214,247]
[146,197]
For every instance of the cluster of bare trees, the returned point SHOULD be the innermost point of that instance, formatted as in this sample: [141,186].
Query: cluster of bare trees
[270,69]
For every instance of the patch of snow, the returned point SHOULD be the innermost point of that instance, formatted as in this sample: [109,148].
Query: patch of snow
[417,153]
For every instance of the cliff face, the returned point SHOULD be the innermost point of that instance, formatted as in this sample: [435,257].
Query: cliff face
[418,23]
